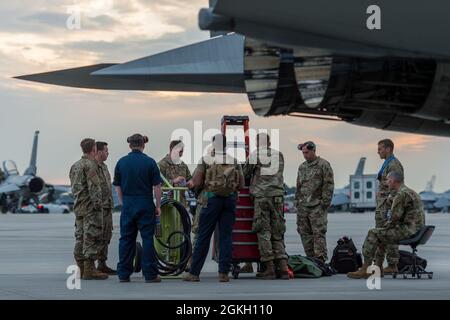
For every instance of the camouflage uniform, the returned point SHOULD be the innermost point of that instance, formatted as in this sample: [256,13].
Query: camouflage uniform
[171,170]
[201,201]
[108,205]
[384,201]
[315,186]
[267,188]
[406,218]
[87,192]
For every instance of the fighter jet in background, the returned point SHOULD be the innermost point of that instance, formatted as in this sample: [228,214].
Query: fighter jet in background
[315,59]
[17,189]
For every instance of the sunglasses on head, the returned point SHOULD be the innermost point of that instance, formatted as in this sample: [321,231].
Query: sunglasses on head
[308,145]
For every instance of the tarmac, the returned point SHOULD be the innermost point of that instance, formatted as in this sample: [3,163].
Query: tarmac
[36,250]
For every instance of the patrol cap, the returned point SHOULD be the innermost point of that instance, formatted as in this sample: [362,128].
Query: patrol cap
[137,140]
[308,144]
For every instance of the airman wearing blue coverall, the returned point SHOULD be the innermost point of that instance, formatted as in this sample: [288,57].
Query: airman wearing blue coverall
[135,177]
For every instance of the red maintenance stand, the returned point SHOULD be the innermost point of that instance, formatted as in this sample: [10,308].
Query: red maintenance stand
[245,241]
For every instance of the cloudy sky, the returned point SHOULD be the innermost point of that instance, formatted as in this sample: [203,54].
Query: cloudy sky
[34,38]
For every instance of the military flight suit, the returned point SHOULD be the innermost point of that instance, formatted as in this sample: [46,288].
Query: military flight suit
[219,209]
[265,168]
[405,218]
[87,193]
[384,202]
[171,170]
[315,186]
[107,207]
[137,174]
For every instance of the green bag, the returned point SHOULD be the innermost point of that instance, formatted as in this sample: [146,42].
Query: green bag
[302,267]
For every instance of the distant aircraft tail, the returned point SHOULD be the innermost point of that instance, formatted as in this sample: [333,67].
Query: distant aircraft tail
[32,168]
[360,168]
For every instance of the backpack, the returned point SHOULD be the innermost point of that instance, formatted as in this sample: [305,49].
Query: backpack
[345,256]
[303,267]
[406,259]
[222,179]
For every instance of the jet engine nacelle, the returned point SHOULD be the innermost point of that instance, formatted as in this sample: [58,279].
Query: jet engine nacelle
[35,184]
[394,94]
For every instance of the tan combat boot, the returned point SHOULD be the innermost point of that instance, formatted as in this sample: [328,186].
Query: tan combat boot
[190,277]
[157,279]
[281,269]
[247,268]
[361,273]
[390,269]
[103,268]
[268,273]
[223,277]
[91,273]
[80,264]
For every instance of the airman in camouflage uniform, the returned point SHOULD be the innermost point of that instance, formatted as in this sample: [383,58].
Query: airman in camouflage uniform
[87,192]
[405,218]
[315,186]
[265,167]
[384,202]
[201,201]
[175,170]
[107,206]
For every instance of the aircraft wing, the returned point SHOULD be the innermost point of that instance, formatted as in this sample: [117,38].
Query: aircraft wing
[8,188]
[214,65]
[306,59]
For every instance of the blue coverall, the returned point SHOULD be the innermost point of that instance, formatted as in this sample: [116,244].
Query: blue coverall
[136,174]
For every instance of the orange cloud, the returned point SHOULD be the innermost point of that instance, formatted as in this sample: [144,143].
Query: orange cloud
[410,142]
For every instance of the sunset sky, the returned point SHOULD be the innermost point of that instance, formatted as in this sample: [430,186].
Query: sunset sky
[34,38]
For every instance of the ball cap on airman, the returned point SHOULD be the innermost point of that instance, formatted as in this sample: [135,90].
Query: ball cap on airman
[310,145]
[137,139]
